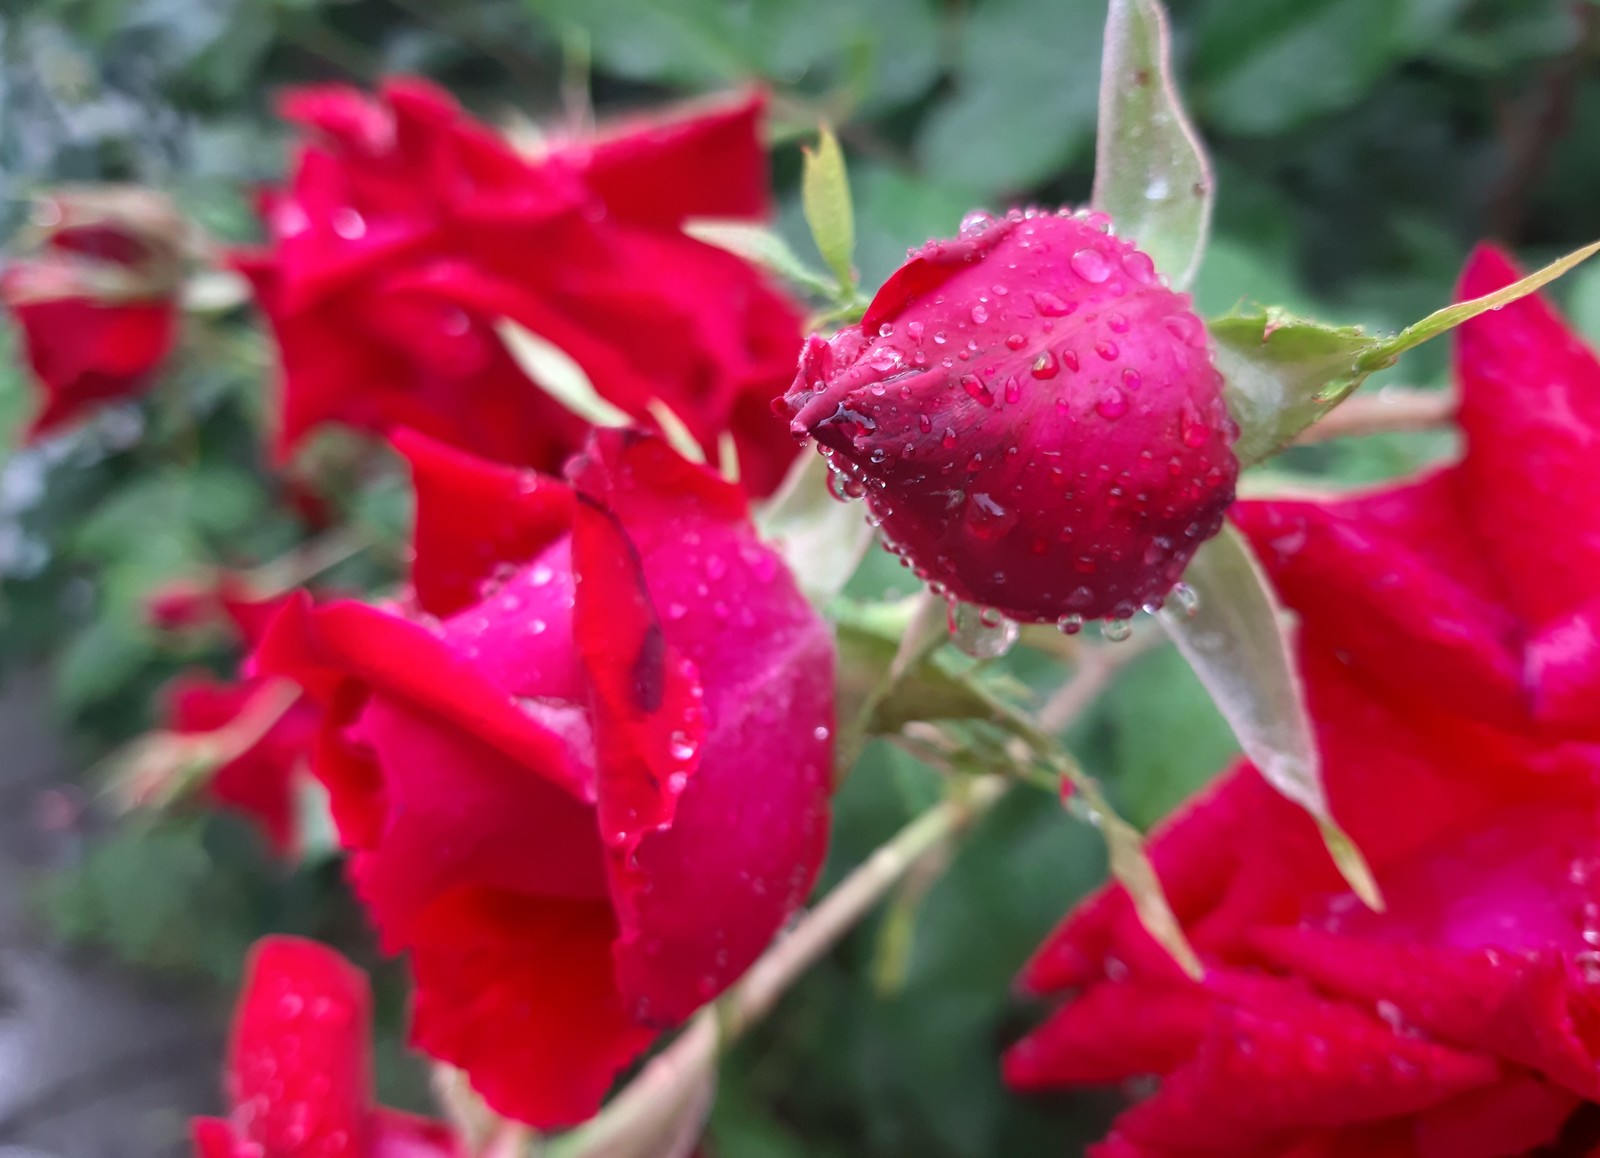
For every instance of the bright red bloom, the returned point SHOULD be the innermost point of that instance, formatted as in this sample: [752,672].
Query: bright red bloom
[408,230]
[585,774]
[299,1069]
[1034,416]
[97,301]
[1450,665]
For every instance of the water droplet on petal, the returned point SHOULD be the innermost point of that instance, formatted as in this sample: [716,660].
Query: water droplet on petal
[1046,365]
[1113,404]
[979,315]
[1139,267]
[1070,624]
[1115,630]
[1091,265]
[1052,306]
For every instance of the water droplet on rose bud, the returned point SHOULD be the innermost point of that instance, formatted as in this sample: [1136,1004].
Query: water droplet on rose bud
[1091,265]
[1052,306]
[1070,624]
[975,388]
[1107,350]
[1113,404]
[1115,630]
[976,222]
[1139,267]
[979,315]
[983,633]
[1013,389]
[1045,366]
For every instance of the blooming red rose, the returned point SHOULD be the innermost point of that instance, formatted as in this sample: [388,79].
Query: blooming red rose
[299,1069]
[408,230]
[585,772]
[1033,415]
[96,300]
[1449,667]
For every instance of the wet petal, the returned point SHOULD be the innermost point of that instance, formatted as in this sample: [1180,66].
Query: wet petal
[474,518]
[1530,409]
[299,1072]
[519,993]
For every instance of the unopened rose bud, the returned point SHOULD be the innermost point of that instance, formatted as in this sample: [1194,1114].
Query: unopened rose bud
[1032,414]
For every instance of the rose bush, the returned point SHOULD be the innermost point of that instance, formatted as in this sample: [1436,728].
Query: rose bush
[583,769]
[408,230]
[1449,657]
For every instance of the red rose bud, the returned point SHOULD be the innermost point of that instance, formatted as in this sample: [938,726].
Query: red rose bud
[96,297]
[1034,417]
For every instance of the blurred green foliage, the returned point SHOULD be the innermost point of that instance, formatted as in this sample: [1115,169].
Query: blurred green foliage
[1362,146]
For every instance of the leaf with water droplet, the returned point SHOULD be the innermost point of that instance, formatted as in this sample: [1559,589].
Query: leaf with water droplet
[1282,373]
[760,246]
[1238,641]
[1151,171]
[822,539]
[559,376]
[825,197]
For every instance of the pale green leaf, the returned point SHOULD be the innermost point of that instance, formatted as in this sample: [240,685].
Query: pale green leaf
[825,196]
[559,376]
[760,246]
[822,539]
[1151,172]
[1238,641]
[1282,373]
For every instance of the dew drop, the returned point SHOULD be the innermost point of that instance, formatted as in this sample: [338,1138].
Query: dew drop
[982,633]
[971,384]
[1091,265]
[1131,379]
[1139,267]
[979,315]
[1015,341]
[1046,365]
[682,746]
[1187,599]
[1070,624]
[1115,630]
[1107,350]
[1013,389]
[924,423]
[1113,404]
[1051,305]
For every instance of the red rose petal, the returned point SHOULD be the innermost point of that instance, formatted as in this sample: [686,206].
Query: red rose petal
[1517,1115]
[474,517]
[1530,408]
[299,1062]
[1111,1033]
[699,900]
[462,813]
[698,161]
[519,992]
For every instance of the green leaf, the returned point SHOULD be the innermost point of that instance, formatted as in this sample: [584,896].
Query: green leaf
[760,246]
[559,376]
[825,195]
[1236,638]
[1151,172]
[1283,373]
[820,538]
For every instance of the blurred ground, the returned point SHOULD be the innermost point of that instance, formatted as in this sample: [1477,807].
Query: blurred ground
[94,1062]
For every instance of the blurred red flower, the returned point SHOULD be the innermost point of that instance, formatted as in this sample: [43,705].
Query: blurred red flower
[265,734]
[1452,662]
[408,230]
[585,774]
[95,299]
[299,1071]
